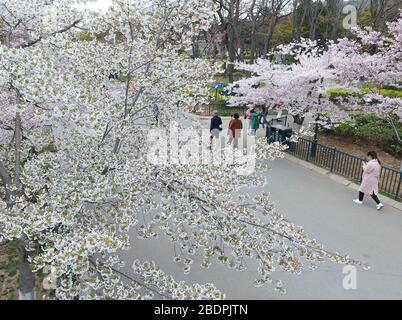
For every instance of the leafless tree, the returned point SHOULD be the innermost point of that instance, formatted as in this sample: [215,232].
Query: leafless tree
[383,10]
[274,11]
[229,13]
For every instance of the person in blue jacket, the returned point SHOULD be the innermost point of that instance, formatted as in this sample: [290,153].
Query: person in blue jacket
[215,127]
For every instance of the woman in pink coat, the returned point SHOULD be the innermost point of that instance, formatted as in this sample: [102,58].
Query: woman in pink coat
[249,112]
[371,178]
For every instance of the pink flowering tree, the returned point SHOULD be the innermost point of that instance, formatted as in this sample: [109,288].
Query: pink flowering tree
[367,64]
[295,77]
[374,61]
[299,76]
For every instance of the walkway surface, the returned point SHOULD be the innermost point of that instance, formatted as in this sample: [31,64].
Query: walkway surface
[326,211]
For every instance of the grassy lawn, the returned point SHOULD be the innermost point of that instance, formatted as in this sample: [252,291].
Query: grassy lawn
[391,93]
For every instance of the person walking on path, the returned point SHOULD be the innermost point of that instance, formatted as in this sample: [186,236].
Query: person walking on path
[248,117]
[234,132]
[371,178]
[248,113]
[263,117]
[156,114]
[254,122]
[215,127]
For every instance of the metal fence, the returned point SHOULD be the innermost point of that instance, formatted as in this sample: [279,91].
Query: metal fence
[345,164]
[225,110]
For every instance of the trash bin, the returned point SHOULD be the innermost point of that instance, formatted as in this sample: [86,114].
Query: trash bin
[284,134]
[270,134]
[280,135]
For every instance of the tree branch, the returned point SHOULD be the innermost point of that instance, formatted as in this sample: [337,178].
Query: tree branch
[65,29]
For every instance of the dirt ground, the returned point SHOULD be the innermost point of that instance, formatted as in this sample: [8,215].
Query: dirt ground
[9,274]
[8,271]
[360,150]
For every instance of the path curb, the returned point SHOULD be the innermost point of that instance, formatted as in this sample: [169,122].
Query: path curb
[339,179]
[199,117]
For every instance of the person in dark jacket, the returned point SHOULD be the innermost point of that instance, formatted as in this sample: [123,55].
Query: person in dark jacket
[263,117]
[215,127]
[156,114]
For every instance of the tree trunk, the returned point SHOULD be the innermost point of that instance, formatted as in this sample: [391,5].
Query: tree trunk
[253,19]
[298,25]
[230,71]
[253,54]
[196,47]
[5,178]
[17,138]
[294,18]
[27,277]
[271,30]
[315,11]
[313,21]
[232,55]
[400,168]
[236,30]
[334,10]
[377,12]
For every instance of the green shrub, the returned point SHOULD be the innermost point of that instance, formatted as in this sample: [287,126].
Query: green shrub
[336,93]
[390,93]
[368,132]
[389,141]
[368,127]
[373,130]
[237,75]
[333,93]
[364,119]
[345,129]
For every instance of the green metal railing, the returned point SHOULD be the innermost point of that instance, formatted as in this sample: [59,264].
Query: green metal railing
[345,164]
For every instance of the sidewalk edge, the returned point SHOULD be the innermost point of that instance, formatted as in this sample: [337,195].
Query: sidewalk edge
[339,179]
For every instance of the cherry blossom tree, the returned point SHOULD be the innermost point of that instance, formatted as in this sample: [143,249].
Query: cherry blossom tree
[367,64]
[372,60]
[295,77]
[302,78]
[77,175]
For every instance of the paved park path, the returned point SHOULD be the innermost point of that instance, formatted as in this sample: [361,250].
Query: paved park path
[325,209]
